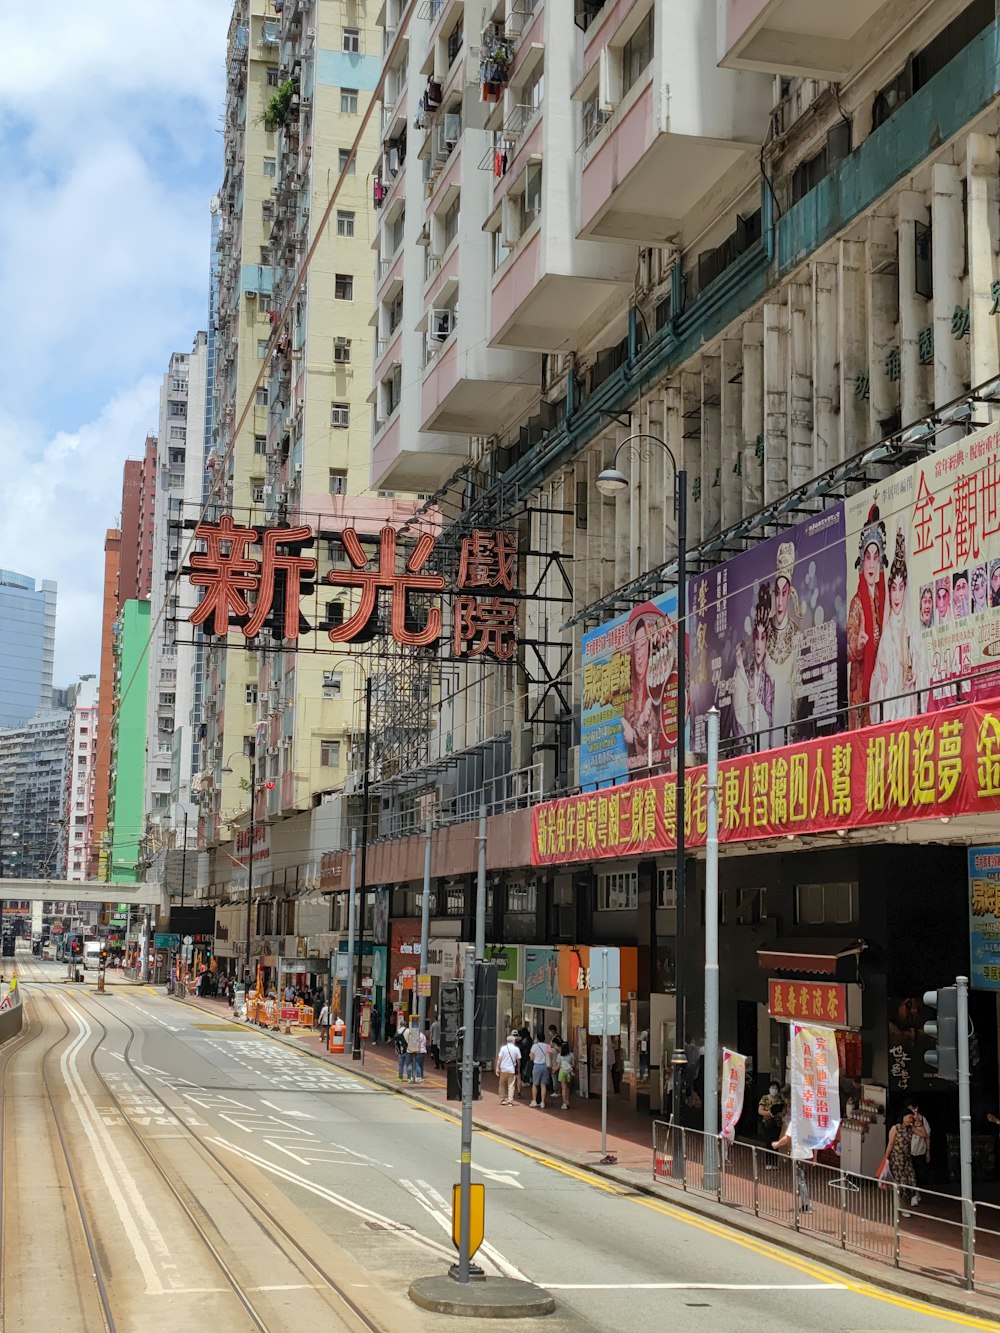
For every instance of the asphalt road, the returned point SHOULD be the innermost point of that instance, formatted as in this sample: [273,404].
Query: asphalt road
[270,1161]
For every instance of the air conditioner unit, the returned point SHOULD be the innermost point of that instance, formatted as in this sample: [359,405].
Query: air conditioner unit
[425,235]
[393,161]
[250,294]
[341,342]
[442,322]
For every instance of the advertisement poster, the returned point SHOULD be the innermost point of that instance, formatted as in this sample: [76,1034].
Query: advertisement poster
[541,978]
[908,1071]
[404,955]
[984,917]
[923,577]
[734,1074]
[766,638]
[815,1090]
[628,717]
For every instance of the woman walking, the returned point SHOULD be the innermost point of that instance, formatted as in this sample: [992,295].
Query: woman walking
[898,1151]
[565,1073]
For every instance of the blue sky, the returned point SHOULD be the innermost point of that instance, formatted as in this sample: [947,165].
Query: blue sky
[110,151]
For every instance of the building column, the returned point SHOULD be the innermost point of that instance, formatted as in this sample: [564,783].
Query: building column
[826,358]
[883,315]
[852,340]
[752,459]
[951,356]
[691,433]
[731,443]
[984,244]
[915,312]
[775,401]
[711,444]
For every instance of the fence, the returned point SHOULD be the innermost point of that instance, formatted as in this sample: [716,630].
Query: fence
[923,1232]
[11,1014]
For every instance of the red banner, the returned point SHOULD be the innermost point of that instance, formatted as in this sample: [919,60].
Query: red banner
[925,767]
[808,1001]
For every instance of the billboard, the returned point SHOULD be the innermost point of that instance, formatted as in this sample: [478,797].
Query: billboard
[923,574]
[766,639]
[984,918]
[628,717]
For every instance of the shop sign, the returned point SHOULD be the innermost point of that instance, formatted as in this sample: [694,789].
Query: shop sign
[575,967]
[808,1001]
[331,870]
[423,983]
[984,917]
[815,1090]
[927,767]
[734,1072]
[541,978]
[256,578]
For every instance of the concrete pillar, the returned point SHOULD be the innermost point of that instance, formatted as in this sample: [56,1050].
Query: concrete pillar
[775,401]
[883,314]
[691,433]
[660,486]
[915,312]
[984,245]
[826,356]
[672,433]
[801,467]
[852,341]
[951,354]
[711,444]
[752,466]
[732,431]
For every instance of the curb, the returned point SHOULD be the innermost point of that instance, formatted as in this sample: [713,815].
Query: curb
[490,1298]
[894,1280]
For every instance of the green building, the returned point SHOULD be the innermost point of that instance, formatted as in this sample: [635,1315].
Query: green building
[128,742]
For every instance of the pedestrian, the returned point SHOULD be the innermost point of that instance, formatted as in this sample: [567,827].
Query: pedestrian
[898,1150]
[539,1070]
[525,1045]
[324,1023]
[422,1054]
[376,1021]
[508,1062]
[400,1041]
[554,1042]
[318,1002]
[289,993]
[798,1166]
[567,1063]
[770,1110]
[920,1149]
[412,1040]
[436,1041]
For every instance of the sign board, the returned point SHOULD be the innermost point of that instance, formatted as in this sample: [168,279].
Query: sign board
[450,1014]
[166,941]
[606,1012]
[477,1216]
[188,940]
[367,983]
[423,983]
[984,917]
[605,966]
[366,1019]
[823,1002]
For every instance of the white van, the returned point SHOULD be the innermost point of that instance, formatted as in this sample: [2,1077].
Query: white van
[92,953]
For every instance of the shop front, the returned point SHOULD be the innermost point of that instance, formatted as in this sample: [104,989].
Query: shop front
[542,998]
[574,986]
[404,962]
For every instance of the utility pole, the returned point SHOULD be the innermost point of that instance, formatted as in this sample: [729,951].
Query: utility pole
[365,789]
[184,858]
[965,1128]
[465,1269]
[481,887]
[425,923]
[711,1058]
[352,903]
[253,796]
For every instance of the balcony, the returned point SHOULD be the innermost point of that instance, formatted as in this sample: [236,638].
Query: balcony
[801,36]
[459,396]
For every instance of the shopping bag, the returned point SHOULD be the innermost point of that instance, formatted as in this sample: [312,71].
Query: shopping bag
[884,1174]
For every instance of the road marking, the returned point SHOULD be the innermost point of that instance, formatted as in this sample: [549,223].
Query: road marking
[271,1144]
[440,1209]
[297,1115]
[696,1286]
[501,1177]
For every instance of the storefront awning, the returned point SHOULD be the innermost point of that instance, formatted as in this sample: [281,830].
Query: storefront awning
[818,957]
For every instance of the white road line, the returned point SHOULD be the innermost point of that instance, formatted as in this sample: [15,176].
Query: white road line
[502,1263]
[288,1152]
[296,1115]
[366,1214]
[696,1286]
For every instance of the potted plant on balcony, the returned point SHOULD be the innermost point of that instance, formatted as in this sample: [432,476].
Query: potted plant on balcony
[280,105]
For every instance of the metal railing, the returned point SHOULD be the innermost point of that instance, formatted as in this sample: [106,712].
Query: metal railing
[920,1231]
[510,791]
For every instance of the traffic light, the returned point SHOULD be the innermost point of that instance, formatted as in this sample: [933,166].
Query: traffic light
[944,1030]
[104,957]
[75,948]
[208,953]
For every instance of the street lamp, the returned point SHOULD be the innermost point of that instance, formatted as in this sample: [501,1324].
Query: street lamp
[252,756]
[612,481]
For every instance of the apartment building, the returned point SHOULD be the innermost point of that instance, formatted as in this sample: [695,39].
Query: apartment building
[81,766]
[126,837]
[27,646]
[32,795]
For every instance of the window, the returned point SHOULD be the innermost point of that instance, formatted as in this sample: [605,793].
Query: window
[637,53]
[534,90]
[270,166]
[341,351]
[260,444]
[251,694]
[454,900]
[451,222]
[742,907]
[826,904]
[395,312]
[530,203]
[257,494]
[178,409]
[333,684]
[346,164]
[176,479]
[272,76]
[338,480]
[392,388]
[666,887]
[618,891]
[522,898]
[343,287]
[162,775]
[500,249]
[161,799]
[345,222]
[265,255]
[349,101]
[261,348]
[454,41]
[329,754]
[340,415]
[178,432]
[807,175]
[352,40]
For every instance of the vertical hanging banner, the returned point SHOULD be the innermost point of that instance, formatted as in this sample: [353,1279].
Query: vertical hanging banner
[984,917]
[815,1090]
[734,1073]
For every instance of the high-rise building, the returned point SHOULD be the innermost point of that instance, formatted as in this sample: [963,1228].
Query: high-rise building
[33,761]
[81,773]
[27,646]
[138,504]
[96,864]
[126,823]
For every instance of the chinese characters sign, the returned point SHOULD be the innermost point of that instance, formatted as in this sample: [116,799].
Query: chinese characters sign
[945,763]
[808,1001]
[256,578]
[984,917]
[815,1090]
[628,717]
[734,1073]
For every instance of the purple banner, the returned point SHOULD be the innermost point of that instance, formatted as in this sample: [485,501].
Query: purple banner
[766,638]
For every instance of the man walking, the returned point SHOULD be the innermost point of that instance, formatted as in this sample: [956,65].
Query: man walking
[413,1050]
[436,1042]
[507,1064]
[539,1057]
[324,1023]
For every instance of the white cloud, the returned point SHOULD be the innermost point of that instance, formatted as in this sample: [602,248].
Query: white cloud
[109,153]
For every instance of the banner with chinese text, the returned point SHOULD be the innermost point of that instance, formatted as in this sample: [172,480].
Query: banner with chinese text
[734,1073]
[942,764]
[628,717]
[984,917]
[923,578]
[810,1001]
[815,1090]
[766,637]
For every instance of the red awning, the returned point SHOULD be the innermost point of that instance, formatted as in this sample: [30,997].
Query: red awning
[817,957]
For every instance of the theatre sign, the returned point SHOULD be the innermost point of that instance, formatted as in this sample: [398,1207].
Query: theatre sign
[265,578]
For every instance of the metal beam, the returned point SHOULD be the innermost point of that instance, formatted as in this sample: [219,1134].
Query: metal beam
[64,890]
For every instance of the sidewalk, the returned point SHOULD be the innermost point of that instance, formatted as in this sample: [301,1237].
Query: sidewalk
[928,1271]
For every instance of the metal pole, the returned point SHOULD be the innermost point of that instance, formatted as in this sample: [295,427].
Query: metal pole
[680,1055]
[604,1055]
[184,860]
[144,975]
[965,1127]
[481,888]
[465,1171]
[352,900]
[711,1059]
[253,793]
[358,1051]
[425,923]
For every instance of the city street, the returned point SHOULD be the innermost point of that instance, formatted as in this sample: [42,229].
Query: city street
[216,1175]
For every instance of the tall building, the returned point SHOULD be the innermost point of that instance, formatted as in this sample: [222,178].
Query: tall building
[138,505]
[126,823]
[27,646]
[33,762]
[97,860]
[81,780]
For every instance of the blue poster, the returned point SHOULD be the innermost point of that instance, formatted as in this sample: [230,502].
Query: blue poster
[984,918]
[541,978]
[628,717]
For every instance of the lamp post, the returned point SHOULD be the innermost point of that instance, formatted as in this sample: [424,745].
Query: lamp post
[612,481]
[252,756]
